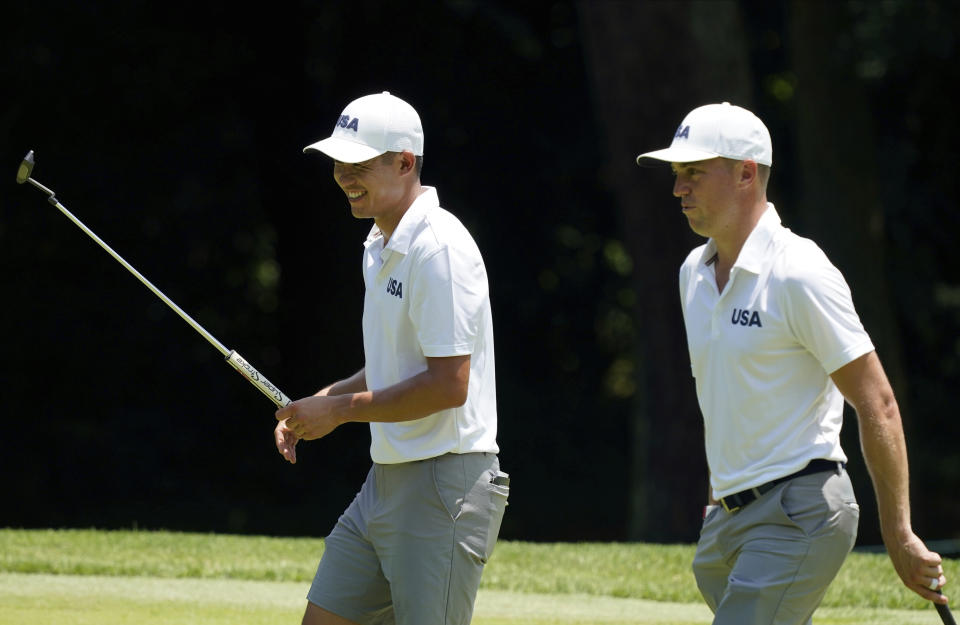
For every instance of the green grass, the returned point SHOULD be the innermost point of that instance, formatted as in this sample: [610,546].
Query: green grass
[43,599]
[81,577]
[662,573]
[159,554]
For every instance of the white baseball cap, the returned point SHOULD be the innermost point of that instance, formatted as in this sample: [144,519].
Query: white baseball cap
[718,130]
[371,126]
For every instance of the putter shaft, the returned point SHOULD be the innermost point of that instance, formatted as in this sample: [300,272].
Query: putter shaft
[196,326]
[232,357]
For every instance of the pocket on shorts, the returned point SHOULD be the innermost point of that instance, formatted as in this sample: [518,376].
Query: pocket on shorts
[466,489]
[499,496]
[450,484]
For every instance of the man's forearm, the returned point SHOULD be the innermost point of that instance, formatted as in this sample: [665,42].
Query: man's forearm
[443,385]
[865,385]
[414,398]
[356,383]
[885,453]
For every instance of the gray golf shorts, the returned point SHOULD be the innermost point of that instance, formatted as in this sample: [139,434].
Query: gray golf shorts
[411,547]
[771,561]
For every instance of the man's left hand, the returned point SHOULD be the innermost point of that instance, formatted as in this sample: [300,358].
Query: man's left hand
[918,567]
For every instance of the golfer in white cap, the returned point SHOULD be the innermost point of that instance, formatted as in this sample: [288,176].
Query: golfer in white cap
[775,347]
[411,547]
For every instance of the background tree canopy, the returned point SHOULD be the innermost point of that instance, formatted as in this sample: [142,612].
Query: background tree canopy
[175,133]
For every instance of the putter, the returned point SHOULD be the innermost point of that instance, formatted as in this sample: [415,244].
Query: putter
[236,360]
[945,614]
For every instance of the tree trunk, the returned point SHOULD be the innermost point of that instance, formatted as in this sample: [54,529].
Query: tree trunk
[838,203]
[639,101]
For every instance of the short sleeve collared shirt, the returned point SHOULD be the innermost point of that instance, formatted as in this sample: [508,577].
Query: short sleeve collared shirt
[762,352]
[427,296]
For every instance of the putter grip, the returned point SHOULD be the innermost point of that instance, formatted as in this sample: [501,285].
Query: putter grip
[945,615]
[256,378]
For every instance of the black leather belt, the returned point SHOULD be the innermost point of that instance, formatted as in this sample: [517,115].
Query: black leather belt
[732,503]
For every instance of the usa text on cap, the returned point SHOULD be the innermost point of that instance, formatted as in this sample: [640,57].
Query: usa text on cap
[717,130]
[371,126]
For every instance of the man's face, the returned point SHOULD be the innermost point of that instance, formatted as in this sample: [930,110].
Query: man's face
[706,191]
[374,187]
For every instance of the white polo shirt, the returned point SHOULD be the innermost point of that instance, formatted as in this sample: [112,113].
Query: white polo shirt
[427,295]
[762,353]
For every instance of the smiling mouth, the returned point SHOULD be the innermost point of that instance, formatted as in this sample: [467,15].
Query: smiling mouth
[354,195]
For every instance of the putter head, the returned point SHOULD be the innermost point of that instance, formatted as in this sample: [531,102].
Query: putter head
[26,168]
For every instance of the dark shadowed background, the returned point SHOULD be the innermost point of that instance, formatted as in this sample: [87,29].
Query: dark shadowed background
[175,133]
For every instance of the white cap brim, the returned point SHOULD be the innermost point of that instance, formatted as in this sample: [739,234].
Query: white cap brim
[678,154]
[344,150]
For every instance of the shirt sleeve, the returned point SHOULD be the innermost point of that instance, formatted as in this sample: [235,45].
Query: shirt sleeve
[821,312]
[686,269]
[447,302]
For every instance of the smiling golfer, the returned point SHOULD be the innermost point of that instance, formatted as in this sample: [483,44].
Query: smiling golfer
[775,347]
[411,547]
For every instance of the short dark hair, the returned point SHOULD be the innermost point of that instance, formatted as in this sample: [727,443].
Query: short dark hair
[763,173]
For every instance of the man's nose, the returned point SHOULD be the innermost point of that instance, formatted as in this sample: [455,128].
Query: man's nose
[679,188]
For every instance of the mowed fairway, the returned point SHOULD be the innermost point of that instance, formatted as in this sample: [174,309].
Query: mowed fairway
[153,578]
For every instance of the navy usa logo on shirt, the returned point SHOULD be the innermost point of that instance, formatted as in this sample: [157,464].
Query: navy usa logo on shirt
[744,317]
[395,287]
[349,124]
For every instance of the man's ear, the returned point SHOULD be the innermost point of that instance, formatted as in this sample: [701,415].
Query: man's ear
[407,162]
[748,172]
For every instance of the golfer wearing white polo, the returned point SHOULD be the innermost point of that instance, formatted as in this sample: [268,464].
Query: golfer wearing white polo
[411,547]
[775,346]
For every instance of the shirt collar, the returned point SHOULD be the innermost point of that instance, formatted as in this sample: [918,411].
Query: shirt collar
[403,235]
[754,248]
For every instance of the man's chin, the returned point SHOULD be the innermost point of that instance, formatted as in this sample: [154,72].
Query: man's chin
[699,232]
[357,210]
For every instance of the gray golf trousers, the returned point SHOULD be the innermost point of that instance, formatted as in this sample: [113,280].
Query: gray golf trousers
[770,562]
